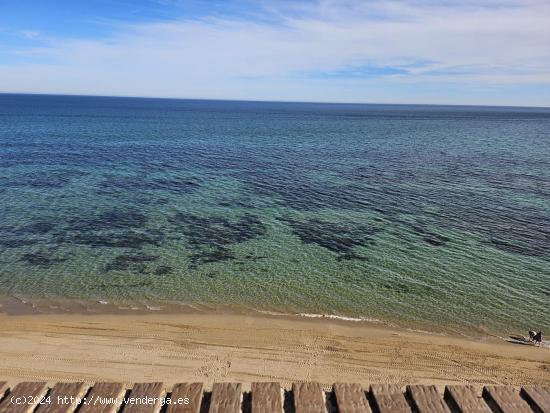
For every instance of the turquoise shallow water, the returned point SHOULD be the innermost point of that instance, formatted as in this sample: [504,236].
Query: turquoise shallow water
[415,215]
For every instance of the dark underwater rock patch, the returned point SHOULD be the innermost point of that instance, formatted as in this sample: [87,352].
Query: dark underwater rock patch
[130,261]
[175,184]
[211,236]
[161,201]
[303,194]
[514,230]
[210,255]
[513,247]
[122,219]
[114,239]
[163,270]
[395,186]
[336,237]
[38,227]
[21,236]
[117,228]
[41,259]
[399,287]
[205,231]
[43,179]
[113,184]
[158,166]
[436,239]
[7,242]
[109,220]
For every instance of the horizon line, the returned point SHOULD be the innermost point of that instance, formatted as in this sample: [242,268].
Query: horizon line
[271,101]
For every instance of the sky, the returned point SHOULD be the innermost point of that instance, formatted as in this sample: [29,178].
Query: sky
[486,52]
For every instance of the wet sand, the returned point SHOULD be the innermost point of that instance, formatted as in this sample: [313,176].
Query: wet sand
[222,347]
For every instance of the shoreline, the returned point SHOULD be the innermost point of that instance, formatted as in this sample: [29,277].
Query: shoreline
[19,306]
[210,347]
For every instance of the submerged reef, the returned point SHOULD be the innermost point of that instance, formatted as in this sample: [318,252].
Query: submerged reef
[210,237]
[49,179]
[337,237]
[114,184]
[42,259]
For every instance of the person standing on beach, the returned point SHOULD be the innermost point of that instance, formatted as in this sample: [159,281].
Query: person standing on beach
[535,337]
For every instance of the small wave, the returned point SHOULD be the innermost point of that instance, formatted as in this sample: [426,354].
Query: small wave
[275,313]
[341,317]
[329,316]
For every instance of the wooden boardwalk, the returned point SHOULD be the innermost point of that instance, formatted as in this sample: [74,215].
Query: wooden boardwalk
[268,398]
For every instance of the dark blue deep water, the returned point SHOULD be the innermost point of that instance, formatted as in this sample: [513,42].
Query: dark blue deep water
[414,215]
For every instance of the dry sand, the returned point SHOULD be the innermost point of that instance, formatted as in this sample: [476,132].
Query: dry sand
[219,347]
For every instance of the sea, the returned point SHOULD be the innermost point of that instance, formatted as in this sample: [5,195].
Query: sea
[417,216]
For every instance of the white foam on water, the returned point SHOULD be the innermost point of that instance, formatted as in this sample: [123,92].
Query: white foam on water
[329,316]
[341,317]
[275,313]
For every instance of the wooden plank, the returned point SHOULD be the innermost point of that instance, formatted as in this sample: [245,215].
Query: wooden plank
[63,398]
[505,399]
[226,398]
[351,398]
[190,393]
[308,398]
[389,398]
[267,398]
[427,399]
[465,399]
[103,398]
[24,397]
[538,396]
[145,398]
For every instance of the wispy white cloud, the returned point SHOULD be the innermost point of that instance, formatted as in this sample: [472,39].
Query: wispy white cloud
[460,48]
[29,34]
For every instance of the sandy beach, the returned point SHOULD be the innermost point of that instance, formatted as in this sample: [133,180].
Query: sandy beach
[299,193]
[220,347]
